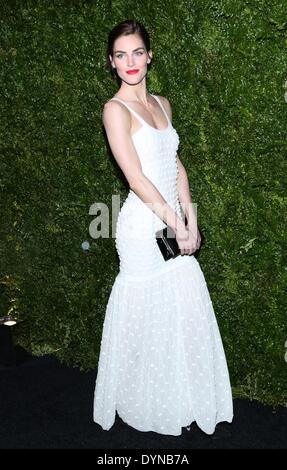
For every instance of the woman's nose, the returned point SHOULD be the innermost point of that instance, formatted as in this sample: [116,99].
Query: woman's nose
[130,61]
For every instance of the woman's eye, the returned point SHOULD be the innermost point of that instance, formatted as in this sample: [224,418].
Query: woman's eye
[120,55]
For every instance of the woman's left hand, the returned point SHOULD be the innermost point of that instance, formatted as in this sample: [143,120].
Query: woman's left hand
[198,238]
[198,243]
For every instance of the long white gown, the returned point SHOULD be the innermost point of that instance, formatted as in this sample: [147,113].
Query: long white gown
[162,364]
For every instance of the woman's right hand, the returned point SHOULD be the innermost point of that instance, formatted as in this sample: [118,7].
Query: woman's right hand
[187,240]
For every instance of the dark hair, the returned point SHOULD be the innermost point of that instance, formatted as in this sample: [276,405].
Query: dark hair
[123,29]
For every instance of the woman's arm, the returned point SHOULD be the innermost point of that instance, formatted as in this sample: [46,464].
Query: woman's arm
[184,196]
[186,202]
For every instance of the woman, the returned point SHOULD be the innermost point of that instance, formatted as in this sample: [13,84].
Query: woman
[162,364]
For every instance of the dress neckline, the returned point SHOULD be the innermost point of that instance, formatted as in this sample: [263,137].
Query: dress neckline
[143,120]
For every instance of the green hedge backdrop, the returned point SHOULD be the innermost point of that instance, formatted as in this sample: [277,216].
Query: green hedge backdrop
[222,65]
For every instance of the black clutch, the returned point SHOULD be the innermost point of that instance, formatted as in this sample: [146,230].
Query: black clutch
[167,243]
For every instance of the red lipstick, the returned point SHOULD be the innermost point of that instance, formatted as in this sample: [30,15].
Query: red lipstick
[132,71]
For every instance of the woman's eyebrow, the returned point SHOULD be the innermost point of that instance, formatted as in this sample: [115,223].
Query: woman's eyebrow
[133,50]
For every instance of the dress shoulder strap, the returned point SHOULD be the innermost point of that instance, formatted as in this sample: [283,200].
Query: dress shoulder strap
[162,107]
[142,121]
[131,110]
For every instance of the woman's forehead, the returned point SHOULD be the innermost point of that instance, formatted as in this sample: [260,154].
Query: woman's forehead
[128,43]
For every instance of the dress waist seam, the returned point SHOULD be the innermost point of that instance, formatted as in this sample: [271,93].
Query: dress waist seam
[124,278]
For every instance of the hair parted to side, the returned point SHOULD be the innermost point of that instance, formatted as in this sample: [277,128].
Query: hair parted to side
[123,29]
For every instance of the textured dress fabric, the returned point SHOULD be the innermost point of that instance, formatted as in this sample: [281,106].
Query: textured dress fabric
[162,364]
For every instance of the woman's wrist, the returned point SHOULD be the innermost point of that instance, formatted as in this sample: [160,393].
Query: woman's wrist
[191,224]
[192,227]
[180,226]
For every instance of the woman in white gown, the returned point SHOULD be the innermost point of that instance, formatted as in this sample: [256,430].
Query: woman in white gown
[162,364]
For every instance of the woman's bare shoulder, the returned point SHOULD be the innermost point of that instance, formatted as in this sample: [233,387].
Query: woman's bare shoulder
[113,104]
[115,110]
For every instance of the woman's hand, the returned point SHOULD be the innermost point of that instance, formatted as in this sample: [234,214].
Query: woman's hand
[187,240]
[198,240]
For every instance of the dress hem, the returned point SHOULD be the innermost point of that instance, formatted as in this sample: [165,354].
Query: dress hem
[186,425]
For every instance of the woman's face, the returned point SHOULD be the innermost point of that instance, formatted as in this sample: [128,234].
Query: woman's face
[130,54]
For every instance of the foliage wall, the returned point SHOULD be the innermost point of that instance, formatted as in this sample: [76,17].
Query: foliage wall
[222,65]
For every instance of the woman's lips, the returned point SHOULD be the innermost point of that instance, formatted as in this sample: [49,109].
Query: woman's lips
[131,72]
